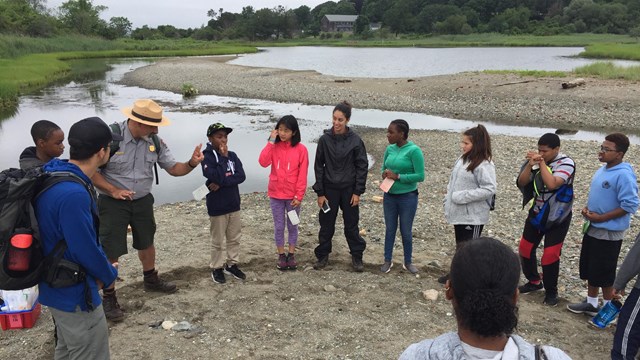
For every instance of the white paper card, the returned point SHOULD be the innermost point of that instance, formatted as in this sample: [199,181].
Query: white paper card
[293,217]
[201,192]
[386,184]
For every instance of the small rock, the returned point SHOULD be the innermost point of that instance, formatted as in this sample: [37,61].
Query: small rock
[377,198]
[363,232]
[330,288]
[168,324]
[431,294]
[181,326]
[155,324]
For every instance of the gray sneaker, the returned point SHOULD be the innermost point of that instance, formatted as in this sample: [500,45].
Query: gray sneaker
[386,267]
[583,308]
[410,268]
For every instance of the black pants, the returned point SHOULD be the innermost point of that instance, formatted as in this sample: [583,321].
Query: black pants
[340,198]
[466,232]
[553,241]
[626,340]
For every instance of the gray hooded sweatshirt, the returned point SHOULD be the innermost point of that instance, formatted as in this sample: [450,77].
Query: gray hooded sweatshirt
[630,267]
[469,193]
[449,347]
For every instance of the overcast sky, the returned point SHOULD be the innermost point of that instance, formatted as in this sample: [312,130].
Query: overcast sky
[182,14]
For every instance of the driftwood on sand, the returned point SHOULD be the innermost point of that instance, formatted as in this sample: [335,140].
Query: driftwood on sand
[573,83]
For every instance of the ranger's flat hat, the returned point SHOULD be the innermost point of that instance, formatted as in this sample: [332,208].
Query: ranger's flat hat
[147,112]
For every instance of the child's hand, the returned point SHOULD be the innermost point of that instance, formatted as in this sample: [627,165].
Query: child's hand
[274,134]
[214,187]
[295,202]
[223,150]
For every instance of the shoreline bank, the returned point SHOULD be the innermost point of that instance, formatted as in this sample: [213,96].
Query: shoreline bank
[604,105]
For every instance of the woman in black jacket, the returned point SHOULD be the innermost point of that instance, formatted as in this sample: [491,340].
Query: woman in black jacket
[341,173]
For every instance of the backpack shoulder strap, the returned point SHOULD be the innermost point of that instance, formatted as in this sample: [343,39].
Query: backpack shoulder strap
[115,144]
[539,353]
[157,143]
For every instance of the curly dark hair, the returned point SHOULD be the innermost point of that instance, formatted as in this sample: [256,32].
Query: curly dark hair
[484,278]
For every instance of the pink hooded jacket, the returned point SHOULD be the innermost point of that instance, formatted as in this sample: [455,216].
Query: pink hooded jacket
[289,166]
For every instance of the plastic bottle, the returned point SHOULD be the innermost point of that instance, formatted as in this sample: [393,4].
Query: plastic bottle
[606,315]
[20,252]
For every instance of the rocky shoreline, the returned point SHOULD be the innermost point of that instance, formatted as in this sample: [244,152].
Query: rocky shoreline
[604,105]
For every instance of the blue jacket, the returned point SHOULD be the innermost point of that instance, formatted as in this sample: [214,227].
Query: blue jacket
[65,211]
[611,189]
[226,172]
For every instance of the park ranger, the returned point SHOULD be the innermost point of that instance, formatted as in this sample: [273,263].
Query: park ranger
[125,194]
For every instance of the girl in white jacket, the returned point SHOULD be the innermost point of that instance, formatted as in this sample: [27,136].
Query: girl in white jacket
[471,187]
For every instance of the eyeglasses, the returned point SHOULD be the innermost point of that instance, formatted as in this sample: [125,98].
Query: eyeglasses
[606,149]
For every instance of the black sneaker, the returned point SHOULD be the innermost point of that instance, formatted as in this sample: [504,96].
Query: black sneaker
[218,276]
[235,272]
[321,263]
[443,279]
[358,266]
[530,287]
[583,308]
[550,299]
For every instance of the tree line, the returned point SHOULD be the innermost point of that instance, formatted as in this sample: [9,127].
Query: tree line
[422,17]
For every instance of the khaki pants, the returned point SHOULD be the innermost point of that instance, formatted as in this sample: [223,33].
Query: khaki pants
[227,250]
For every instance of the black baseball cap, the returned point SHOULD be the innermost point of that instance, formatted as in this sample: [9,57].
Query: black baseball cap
[92,134]
[213,128]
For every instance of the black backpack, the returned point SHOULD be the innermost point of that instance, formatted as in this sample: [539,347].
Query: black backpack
[18,192]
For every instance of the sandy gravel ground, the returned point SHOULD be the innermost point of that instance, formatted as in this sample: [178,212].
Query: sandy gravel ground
[336,313]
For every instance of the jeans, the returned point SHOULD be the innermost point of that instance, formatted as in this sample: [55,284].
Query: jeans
[403,207]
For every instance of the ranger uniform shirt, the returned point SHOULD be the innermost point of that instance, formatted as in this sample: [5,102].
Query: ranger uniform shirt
[131,167]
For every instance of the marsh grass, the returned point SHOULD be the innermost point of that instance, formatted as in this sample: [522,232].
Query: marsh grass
[27,64]
[608,70]
[612,51]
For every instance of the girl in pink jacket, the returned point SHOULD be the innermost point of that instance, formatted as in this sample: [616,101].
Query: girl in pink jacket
[289,162]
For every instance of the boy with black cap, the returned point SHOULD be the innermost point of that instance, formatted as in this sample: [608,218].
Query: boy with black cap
[224,172]
[67,210]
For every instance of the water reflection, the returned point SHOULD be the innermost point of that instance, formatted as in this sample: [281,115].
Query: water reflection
[94,94]
[412,62]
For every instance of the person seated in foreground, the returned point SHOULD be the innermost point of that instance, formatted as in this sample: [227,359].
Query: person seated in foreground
[483,289]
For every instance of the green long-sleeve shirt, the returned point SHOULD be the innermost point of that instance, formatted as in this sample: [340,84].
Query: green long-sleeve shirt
[408,162]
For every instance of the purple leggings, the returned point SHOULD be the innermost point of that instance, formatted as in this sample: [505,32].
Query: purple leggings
[279,209]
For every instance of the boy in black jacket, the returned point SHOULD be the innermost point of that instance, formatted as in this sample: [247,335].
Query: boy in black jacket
[224,172]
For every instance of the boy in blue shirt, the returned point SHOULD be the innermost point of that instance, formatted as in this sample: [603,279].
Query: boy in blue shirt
[613,197]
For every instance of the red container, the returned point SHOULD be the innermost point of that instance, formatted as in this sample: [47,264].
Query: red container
[20,252]
[20,319]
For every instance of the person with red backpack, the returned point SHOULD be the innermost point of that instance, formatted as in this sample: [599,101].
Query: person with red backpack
[67,213]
